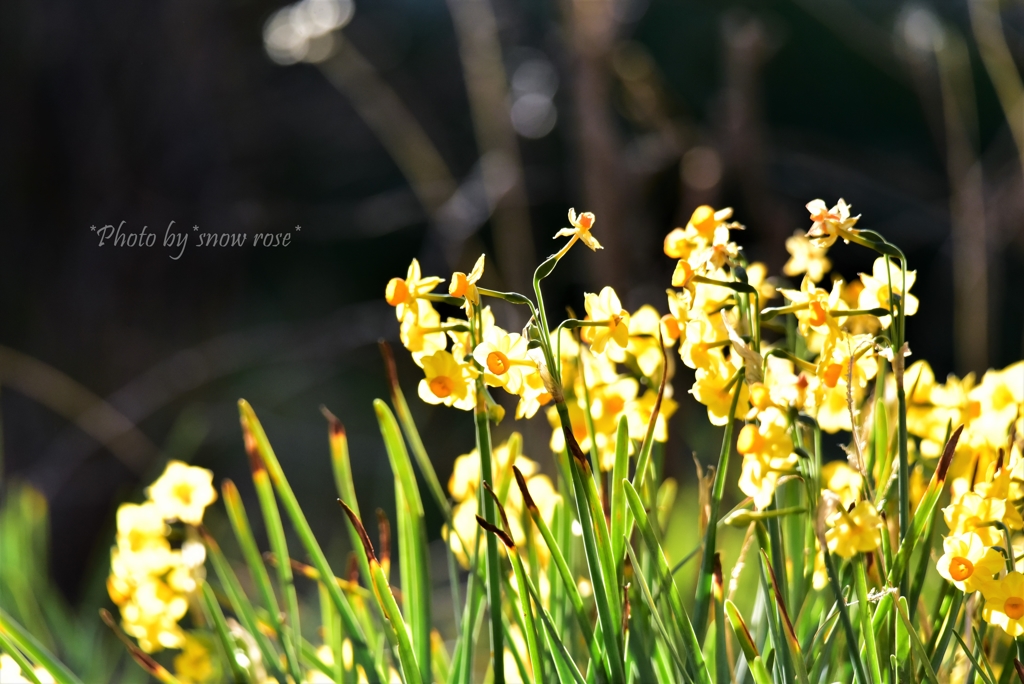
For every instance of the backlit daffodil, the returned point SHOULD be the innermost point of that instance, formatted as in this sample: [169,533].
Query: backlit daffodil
[183,492]
[1004,603]
[402,292]
[875,294]
[967,563]
[605,310]
[830,224]
[463,285]
[843,481]
[503,357]
[767,455]
[580,230]
[715,386]
[855,531]
[806,257]
[447,381]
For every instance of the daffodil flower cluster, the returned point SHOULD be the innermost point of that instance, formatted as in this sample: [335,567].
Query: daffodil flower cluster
[150,580]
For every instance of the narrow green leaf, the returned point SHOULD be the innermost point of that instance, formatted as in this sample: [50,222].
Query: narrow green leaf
[412,532]
[690,642]
[645,592]
[382,590]
[31,647]
[7,647]
[618,499]
[240,603]
[915,641]
[973,658]
[257,443]
[220,625]
[703,595]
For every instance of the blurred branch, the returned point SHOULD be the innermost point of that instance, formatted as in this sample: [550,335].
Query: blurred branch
[995,54]
[859,33]
[967,203]
[395,126]
[487,88]
[67,398]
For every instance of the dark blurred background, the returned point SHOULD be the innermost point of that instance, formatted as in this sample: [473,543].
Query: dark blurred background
[395,129]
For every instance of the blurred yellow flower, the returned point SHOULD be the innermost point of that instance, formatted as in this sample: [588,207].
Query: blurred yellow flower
[194,665]
[829,224]
[183,492]
[845,482]
[855,531]
[605,308]
[767,455]
[1004,603]
[806,257]
[715,386]
[875,294]
[580,230]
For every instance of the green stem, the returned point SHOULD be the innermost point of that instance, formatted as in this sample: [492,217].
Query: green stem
[483,445]
[864,612]
[701,602]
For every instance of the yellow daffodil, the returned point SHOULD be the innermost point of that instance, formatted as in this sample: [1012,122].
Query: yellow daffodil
[580,230]
[447,381]
[532,395]
[714,387]
[1004,603]
[463,285]
[843,481]
[829,224]
[605,308]
[645,339]
[183,492]
[767,455]
[757,278]
[875,294]
[420,330]
[402,292]
[806,257]
[1000,400]
[855,531]
[967,563]
[503,356]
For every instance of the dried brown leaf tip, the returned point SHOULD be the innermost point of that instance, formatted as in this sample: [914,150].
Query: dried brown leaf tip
[389,363]
[947,455]
[333,424]
[497,504]
[356,523]
[499,533]
[521,481]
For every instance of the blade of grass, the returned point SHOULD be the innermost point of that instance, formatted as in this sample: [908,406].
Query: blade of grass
[864,612]
[974,660]
[220,625]
[703,595]
[645,591]
[568,664]
[31,647]
[609,623]
[8,648]
[690,642]
[240,603]
[529,623]
[915,641]
[483,445]
[406,651]
[254,434]
[620,471]
[412,533]
[747,645]
[283,570]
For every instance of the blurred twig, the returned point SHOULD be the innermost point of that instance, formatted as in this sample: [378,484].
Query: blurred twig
[967,203]
[995,54]
[66,397]
[395,126]
[476,31]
